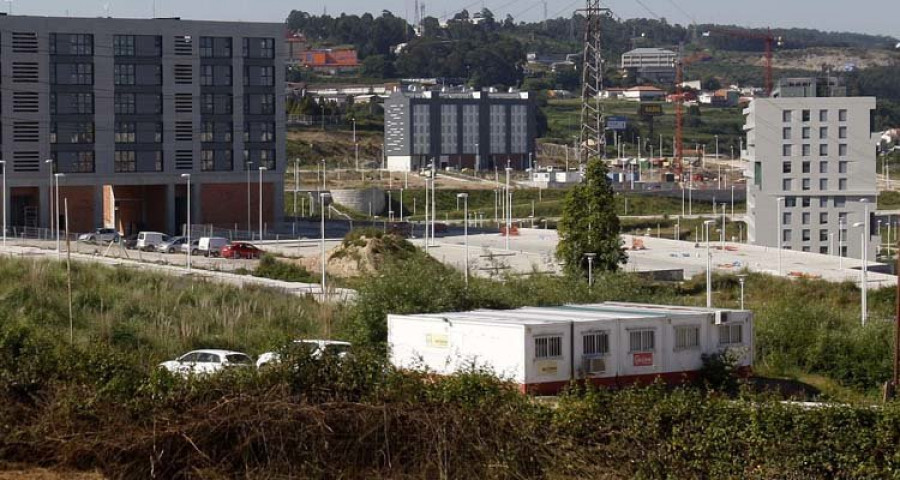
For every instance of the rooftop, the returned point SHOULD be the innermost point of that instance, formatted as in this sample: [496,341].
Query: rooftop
[649,51]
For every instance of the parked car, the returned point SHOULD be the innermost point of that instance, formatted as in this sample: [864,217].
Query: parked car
[241,250]
[102,235]
[172,245]
[130,242]
[211,246]
[195,247]
[199,362]
[150,240]
[314,348]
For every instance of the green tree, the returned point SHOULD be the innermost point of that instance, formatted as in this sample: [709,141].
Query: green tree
[589,224]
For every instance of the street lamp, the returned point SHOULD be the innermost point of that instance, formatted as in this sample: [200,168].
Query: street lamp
[249,220]
[3,162]
[465,198]
[508,213]
[49,161]
[590,258]
[261,170]
[322,212]
[57,176]
[779,232]
[741,279]
[722,237]
[864,283]
[187,176]
[706,226]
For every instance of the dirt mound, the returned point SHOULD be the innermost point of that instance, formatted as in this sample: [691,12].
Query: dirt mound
[361,252]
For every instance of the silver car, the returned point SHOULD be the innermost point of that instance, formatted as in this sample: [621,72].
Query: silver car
[207,362]
[172,245]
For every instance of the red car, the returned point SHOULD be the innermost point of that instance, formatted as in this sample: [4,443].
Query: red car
[241,250]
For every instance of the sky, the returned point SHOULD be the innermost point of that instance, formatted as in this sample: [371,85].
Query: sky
[865,16]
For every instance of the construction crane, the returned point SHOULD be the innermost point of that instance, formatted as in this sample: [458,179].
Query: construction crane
[680,63]
[771,41]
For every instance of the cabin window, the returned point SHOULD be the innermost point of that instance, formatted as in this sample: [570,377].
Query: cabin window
[642,340]
[687,337]
[595,343]
[548,346]
[731,334]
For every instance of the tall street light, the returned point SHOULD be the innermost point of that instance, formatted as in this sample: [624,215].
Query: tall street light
[741,279]
[249,221]
[508,212]
[864,282]
[3,162]
[779,233]
[296,190]
[324,263]
[57,176]
[425,233]
[49,162]
[706,226]
[590,258]
[465,198]
[722,237]
[187,176]
[261,170]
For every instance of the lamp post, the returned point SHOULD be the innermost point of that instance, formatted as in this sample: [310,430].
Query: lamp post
[261,170]
[3,162]
[741,279]
[508,212]
[249,221]
[719,163]
[187,176]
[864,285]
[842,232]
[49,162]
[57,176]
[706,226]
[779,232]
[722,237]
[590,258]
[425,237]
[732,203]
[322,212]
[296,190]
[465,198]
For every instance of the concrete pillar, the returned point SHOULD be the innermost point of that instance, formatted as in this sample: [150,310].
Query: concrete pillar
[98,207]
[196,202]
[277,204]
[44,206]
[171,227]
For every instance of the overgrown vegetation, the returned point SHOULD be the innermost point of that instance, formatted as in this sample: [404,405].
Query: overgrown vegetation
[271,267]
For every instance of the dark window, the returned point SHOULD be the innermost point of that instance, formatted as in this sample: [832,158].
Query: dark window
[123,74]
[123,45]
[125,132]
[124,161]
[124,104]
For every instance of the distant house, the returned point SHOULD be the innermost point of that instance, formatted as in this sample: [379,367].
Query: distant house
[654,65]
[612,93]
[330,60]
[644,93]
[721,98]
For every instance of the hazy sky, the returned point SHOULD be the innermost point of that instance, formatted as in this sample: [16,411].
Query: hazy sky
[866,16]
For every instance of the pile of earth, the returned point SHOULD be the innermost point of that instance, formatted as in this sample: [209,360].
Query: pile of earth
[362,251]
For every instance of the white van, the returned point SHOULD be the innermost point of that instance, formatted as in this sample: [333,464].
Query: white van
[150,240]
[212,246]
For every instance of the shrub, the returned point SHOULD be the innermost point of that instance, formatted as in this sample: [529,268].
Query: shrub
[271,267]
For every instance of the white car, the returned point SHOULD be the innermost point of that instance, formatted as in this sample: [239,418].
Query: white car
[315,348]
[204,362]
[102,235]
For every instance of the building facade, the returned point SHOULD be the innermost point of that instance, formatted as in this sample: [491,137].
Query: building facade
[120,109]
[475,130]
[811,169]
[655,65]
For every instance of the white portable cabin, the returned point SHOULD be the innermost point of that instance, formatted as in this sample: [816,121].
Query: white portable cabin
[544,348]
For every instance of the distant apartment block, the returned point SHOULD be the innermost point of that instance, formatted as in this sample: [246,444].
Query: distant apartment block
[811,169]
[656,65]
[475,130]
[120,109]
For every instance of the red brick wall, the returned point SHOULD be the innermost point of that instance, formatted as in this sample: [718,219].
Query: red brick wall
[225,204]
[81,208]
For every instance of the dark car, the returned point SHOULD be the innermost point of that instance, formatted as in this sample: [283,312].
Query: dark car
[130,242]
[241,250]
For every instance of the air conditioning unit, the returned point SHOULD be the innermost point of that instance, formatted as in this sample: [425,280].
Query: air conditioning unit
[721,317]
[594,366]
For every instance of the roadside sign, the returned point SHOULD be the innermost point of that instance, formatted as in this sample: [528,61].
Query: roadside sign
[616,123]
[643,359]
[650,109]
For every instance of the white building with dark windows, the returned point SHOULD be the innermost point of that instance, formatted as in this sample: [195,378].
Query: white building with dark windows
[656,65]
[120,109]
[812,183]
[475,130]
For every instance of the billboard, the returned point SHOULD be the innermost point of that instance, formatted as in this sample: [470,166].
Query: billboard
[616,123]
[650,110]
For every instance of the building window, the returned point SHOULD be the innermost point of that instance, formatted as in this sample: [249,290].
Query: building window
[123,45]
[267,159]
[206,47]
[790,202]
[786,218]
[823,235]
[786,235]
[823,150]
[805,133]
[208,133]
[805,202]
[806,167]
[267,104]
[823,202]
[687,337]
[263,47]
[786,133]
[807,150]
[549,346]
[842,150]
[805,218]
[842,132]
[207,160]
[123,104]
[823,250]
[842,167]
[206,75]
[595,343]
[124,161]
[125,132]
[823,184]
[267,76]
[786,184]
[805,116]
[731,334]
[787,150]
[786,167]
[806,235]
[823,133]
[786,116]
[643,340]
[123,74]
[823,167]
[840,202]
[84,163]
[823,115]
[805,249]
[823,218]
[842,115]
[842,184]
[806,184]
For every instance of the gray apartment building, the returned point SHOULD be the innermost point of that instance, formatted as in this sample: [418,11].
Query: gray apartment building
[655,65]
[463,129]
[120,109]
[811,169]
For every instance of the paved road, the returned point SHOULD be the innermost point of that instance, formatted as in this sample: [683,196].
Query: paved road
[533,250]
